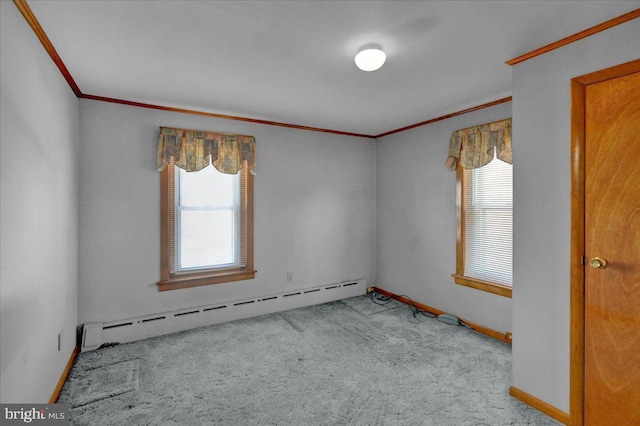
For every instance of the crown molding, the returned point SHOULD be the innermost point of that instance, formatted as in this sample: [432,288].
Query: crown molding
[31,19]
[577,36]
[222,116]
[444,117]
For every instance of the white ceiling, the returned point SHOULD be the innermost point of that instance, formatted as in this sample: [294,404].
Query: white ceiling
[292,61]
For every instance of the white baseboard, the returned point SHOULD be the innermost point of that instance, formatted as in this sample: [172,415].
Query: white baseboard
[95,335]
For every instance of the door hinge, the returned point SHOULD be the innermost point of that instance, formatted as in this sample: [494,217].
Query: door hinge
[583,260]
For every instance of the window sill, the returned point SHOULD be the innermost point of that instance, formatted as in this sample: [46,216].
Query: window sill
[205,278]
[499,289]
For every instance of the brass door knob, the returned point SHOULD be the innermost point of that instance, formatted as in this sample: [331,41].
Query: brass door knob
[598,263]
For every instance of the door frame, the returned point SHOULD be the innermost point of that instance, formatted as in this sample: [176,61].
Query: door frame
[577,262]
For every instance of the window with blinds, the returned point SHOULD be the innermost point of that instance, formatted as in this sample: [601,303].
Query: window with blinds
[207,220]
[488,222]
[206,227]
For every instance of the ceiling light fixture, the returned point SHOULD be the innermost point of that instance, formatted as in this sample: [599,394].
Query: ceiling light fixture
[370,57]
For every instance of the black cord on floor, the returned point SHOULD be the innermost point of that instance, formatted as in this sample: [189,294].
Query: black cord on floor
[415,310]
[380,299]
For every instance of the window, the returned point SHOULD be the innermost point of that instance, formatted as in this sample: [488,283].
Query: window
[485,227]
[206,227]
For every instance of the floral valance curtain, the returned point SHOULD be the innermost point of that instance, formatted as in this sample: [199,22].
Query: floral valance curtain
[474,147]
[193,150]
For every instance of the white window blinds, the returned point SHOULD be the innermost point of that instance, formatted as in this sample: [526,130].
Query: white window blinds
[207,220]
[488,222]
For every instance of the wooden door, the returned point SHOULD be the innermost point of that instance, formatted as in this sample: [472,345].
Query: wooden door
[612,233]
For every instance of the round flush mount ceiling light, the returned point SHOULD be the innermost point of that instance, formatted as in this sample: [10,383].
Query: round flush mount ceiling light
[370,57]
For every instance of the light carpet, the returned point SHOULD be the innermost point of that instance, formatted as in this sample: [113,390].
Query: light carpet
[351,362]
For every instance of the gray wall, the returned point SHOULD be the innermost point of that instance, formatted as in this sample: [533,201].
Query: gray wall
[542,205]
[314,211]
[416,221]
[38,216]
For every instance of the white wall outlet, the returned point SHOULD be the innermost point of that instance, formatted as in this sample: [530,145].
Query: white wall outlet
[289,277]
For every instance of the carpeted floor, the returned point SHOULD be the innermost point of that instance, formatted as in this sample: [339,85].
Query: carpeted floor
[351,362]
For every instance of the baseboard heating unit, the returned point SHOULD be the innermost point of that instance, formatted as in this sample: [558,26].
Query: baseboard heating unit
[96,334]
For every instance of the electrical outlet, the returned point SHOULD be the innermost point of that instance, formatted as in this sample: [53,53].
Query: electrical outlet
[289,277]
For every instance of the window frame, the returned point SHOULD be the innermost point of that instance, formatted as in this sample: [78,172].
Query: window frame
[459,277]
[174,281]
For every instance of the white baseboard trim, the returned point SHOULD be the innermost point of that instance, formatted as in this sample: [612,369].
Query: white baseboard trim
[95,335]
